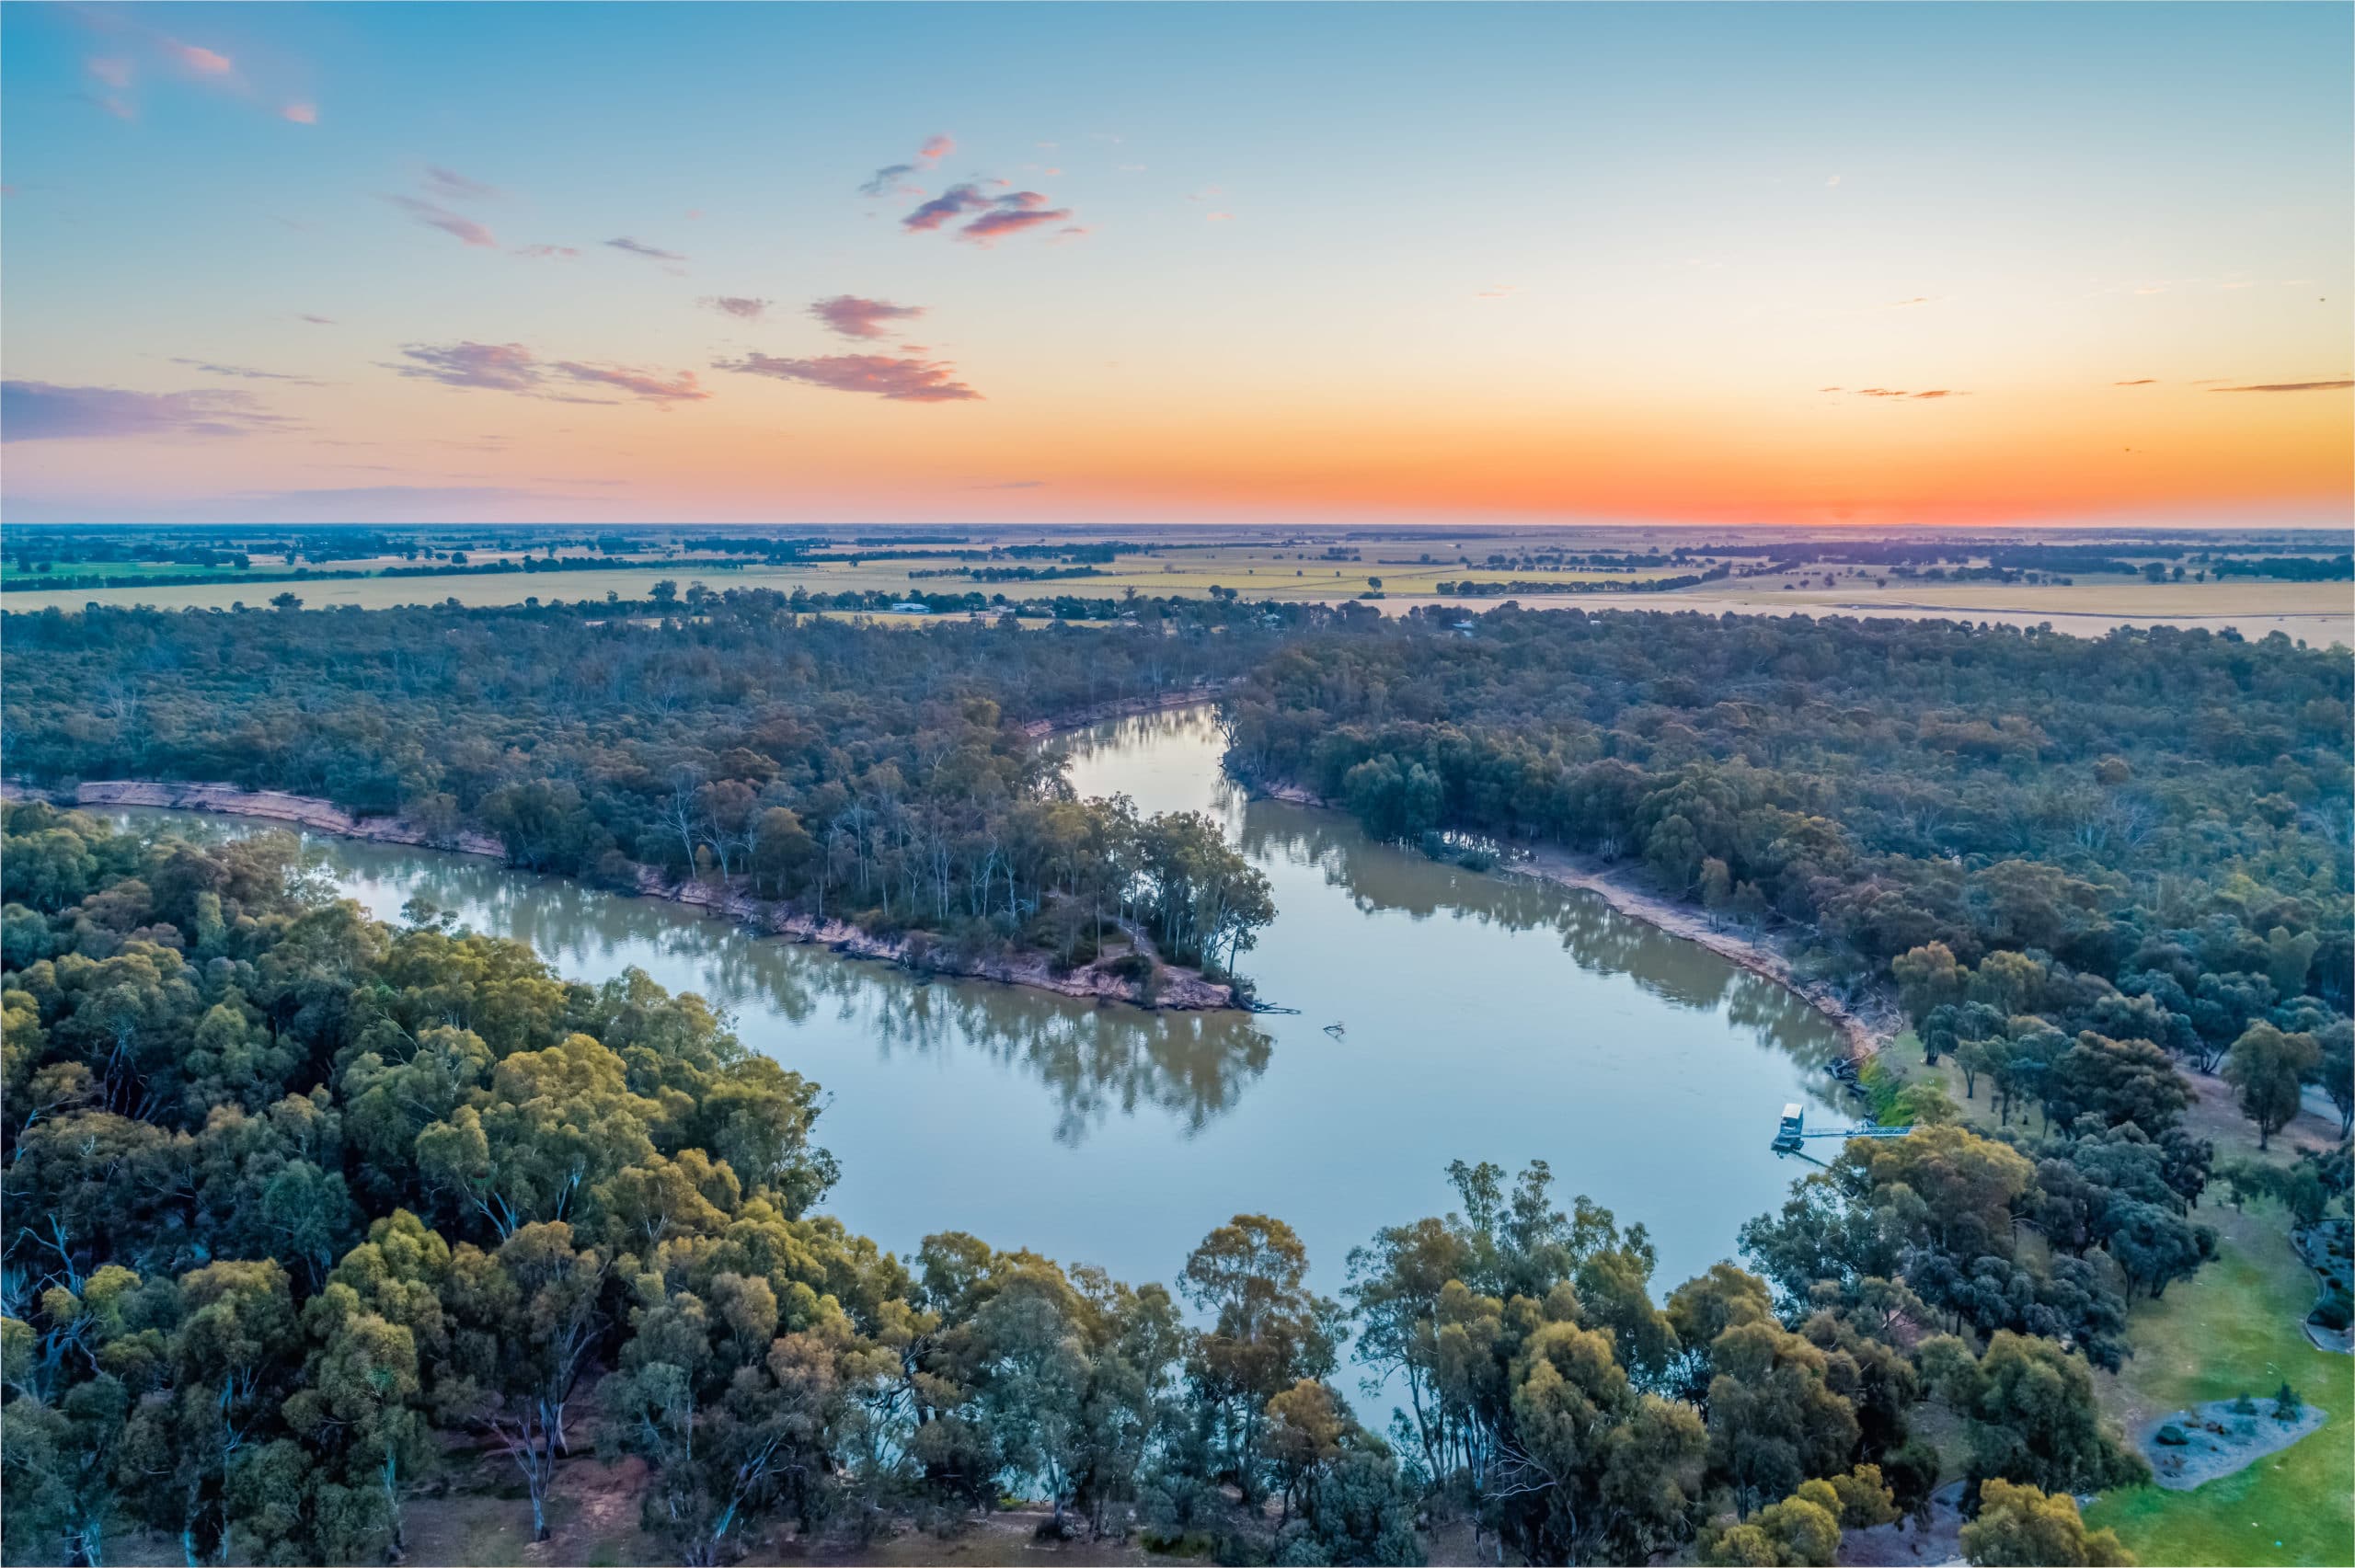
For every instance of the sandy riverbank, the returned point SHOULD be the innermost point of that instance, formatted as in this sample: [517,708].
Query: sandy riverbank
[1124,707]
[1866,1028]
[1179,989]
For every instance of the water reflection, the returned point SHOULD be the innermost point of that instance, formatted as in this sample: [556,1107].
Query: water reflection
[1487,1017]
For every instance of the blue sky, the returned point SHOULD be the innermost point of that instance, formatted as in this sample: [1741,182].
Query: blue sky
[1567,262]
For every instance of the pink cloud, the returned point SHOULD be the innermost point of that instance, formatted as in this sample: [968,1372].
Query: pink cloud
[649,385]
[993,217]
[448,223]
[895,379]
[953,202]
[511,367]
[855,318]
[41,410]
[194,58]
[1014,214]
[114,70]
[935,148]
[301,113]
[496,367]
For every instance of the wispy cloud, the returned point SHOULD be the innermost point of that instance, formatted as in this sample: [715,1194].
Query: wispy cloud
[1896,391]
[198,61]
[434,216]
[2289,386]
[737,305]
[300,112]
[896,380]
[451,186]
[511,367]
[496,367]
[546,252]
[1497,291]
[892,177]
[2144,381]
[640,247]
[856,317]
[244,373]
[315,320]
[41,410]
[651,386]
[1908,305]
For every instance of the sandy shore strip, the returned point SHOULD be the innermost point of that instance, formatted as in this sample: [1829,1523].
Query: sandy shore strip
[1867,1026]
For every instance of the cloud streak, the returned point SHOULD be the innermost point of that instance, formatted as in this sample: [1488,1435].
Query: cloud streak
[640,247]
[894,380]
[889,178]
[511,367]
[737,305]
[855,318]
[2289,386]
[432,216]
[246,373]
[647,385]
[41,410]
[451,186]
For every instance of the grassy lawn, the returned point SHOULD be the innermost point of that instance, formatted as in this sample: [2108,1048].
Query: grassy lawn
[2234,1328]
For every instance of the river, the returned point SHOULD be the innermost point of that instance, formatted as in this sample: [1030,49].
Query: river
[1482,1018]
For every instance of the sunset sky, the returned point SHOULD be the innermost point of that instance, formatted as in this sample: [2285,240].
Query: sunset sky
[1761,264]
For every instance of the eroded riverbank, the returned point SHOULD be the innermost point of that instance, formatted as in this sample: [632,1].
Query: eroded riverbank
[1867,1026]
[1174,988]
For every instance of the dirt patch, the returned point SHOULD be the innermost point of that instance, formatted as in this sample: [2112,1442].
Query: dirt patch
[1939,1541]
[2218,1440]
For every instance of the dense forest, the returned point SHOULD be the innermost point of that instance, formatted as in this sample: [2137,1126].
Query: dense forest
[2138,845]
[849,772]
[308,1210]
[305,1209]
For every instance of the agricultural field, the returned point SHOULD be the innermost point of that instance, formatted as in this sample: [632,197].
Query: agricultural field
[1589,567]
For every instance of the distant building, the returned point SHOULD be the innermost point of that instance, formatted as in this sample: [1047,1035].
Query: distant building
[912,607]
